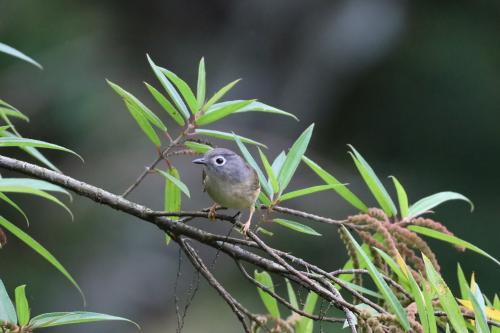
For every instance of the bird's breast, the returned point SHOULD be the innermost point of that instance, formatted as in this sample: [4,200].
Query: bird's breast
[230,194]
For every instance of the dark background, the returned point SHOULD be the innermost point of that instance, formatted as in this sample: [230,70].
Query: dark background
[412,85]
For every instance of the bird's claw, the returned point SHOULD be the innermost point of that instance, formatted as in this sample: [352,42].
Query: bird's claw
[212,212]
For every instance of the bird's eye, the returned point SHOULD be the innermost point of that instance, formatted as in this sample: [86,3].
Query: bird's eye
[220,160]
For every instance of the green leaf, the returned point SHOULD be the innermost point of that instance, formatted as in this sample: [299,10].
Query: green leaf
[269,171]
[402,197]
[8,112]
[184,89]
[364,290]
[382,286]
[306,191]
[261,107]
[7,310]
[172,195]
[291,294]
[165,103]
[479,308]
[293,158]
[197,147]
[169,88]
[374,184]
[201,88]
[341,189]
[37,247]
[16,206]
[226,136]
[138,106]
[445,296]
[22,142]
[222,112]
[35,153]
[269,302]
[250,160]
[34,183]
[264,199]
[305,325]
[462,282]
[431,318]
[22,306]
[34,191]
[424,205]
[278,163]
[176,181]
[297,227]
[143,123]
[219,94]
[18,54]
[450,239]
[75,317]
[416,292]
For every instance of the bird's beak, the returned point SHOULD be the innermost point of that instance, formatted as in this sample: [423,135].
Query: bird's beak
[199,161]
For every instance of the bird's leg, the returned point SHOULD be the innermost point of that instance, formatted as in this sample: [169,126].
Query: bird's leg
[212,211]
[246,226]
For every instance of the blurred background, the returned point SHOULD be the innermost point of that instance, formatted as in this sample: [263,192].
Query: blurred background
[414,86]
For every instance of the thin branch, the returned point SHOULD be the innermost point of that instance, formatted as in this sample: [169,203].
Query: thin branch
[305,215]
[283,301]
[235,306]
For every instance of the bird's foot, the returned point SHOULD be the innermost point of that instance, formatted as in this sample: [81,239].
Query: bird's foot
[246,227]
[212,211]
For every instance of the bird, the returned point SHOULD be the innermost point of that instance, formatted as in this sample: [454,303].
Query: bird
[230,182]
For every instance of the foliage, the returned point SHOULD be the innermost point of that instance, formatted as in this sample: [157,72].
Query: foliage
[405,292]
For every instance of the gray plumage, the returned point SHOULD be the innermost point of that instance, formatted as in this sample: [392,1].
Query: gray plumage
[229,180]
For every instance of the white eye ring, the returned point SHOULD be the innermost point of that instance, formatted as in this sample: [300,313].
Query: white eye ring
[219,160]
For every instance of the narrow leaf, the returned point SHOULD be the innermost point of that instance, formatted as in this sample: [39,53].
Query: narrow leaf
[22,306]
[34,183]
[219,94]
[197,147]
[294,157]
[15,206]
[305,325]
[479,308]
[296,226]
[143,124]
[76,317]
[424,205]
[169,88]
[18,54]
[37,192]
[269,302]
[201,88]
[341,189]
[8,112]
[165,103]
[7,310]
[278,163]
[306,191]
[402,197]
[226,136]
[37,247]
[217,114]
[431,318]
[271,177]
[403,277]
[172,196]
[183,88]
[261,107]
[176,181]
[250,160]
[291,294]
[462,282]
[445,296]
[22,142]
[138,106]
[373,182]
[450,239]
[382,286]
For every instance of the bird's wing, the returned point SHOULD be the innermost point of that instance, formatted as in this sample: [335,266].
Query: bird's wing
[255,184]
[204,180]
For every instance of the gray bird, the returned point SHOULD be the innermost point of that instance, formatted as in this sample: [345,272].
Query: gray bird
[229,181]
